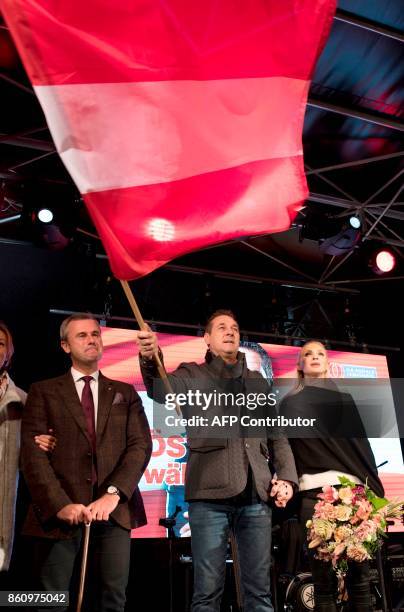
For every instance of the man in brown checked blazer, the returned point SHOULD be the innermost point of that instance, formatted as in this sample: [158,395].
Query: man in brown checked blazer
[103,447]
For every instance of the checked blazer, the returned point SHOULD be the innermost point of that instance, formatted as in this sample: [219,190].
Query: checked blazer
[64,476]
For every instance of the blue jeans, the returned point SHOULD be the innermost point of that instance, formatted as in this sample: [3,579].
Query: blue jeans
[210,526]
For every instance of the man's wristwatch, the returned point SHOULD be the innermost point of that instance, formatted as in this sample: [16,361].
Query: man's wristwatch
[112,490]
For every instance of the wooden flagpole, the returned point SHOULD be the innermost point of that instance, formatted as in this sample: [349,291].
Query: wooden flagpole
[141,322]
[169,389]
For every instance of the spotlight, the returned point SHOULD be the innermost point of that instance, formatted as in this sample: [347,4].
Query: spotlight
[49,228]
[335,236]
[383,261]
[355,221]
[45,215]
[161,230]
[341,243]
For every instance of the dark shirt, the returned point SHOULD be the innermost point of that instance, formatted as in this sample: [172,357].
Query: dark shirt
[313,455]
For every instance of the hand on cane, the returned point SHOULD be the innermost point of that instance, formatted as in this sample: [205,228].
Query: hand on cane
[73,514]
[101,508]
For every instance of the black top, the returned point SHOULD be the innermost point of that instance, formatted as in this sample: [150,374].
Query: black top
[313,455]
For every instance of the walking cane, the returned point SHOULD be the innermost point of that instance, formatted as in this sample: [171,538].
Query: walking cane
[236,571]
[83,565]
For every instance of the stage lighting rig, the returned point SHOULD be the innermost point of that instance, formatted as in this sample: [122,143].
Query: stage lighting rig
[45,215]
[341,243]
[51,226]
[383,261]
[355,222]
[335,236]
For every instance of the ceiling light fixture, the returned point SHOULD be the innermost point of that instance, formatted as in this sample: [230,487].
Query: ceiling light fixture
[355,221]
[45,215]
[383,261]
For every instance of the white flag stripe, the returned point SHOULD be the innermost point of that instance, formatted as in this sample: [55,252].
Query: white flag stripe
[115,135]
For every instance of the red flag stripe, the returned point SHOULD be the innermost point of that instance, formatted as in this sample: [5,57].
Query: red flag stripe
[177,128]
[126,41]
[225,204]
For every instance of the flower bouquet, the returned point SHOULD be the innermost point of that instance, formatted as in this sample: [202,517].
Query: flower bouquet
[348,523]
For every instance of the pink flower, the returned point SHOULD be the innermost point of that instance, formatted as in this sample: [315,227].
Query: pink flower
[357,552]
[324,510]
[342,533]
[377,518]
[358,493]
[366,530]
[338,550]
[362,513]
[329,494]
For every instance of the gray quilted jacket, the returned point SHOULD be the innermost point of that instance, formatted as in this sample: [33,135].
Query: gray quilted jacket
[218,467]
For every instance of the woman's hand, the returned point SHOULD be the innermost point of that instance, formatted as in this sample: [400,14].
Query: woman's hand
[282,490]
[46,442]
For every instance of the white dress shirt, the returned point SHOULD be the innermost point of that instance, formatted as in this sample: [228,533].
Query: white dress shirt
[93,385]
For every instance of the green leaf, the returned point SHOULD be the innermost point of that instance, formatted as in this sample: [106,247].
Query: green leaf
[378,502]
[346,482]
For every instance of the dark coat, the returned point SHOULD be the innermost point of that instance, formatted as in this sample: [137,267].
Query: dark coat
[64,476]
[218,467]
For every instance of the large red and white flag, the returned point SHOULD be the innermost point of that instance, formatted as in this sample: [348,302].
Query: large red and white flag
[180,121]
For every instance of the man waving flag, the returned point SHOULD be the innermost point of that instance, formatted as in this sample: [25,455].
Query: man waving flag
[179,121]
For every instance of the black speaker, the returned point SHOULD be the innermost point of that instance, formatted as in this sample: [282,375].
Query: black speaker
[395,580]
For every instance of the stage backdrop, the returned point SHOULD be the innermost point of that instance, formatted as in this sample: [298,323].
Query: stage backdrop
[162,485]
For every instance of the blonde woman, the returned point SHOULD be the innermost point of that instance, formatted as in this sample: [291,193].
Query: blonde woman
[12,400]
[322,456]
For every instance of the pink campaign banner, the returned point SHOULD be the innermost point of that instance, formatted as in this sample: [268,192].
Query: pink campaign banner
[180,122]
